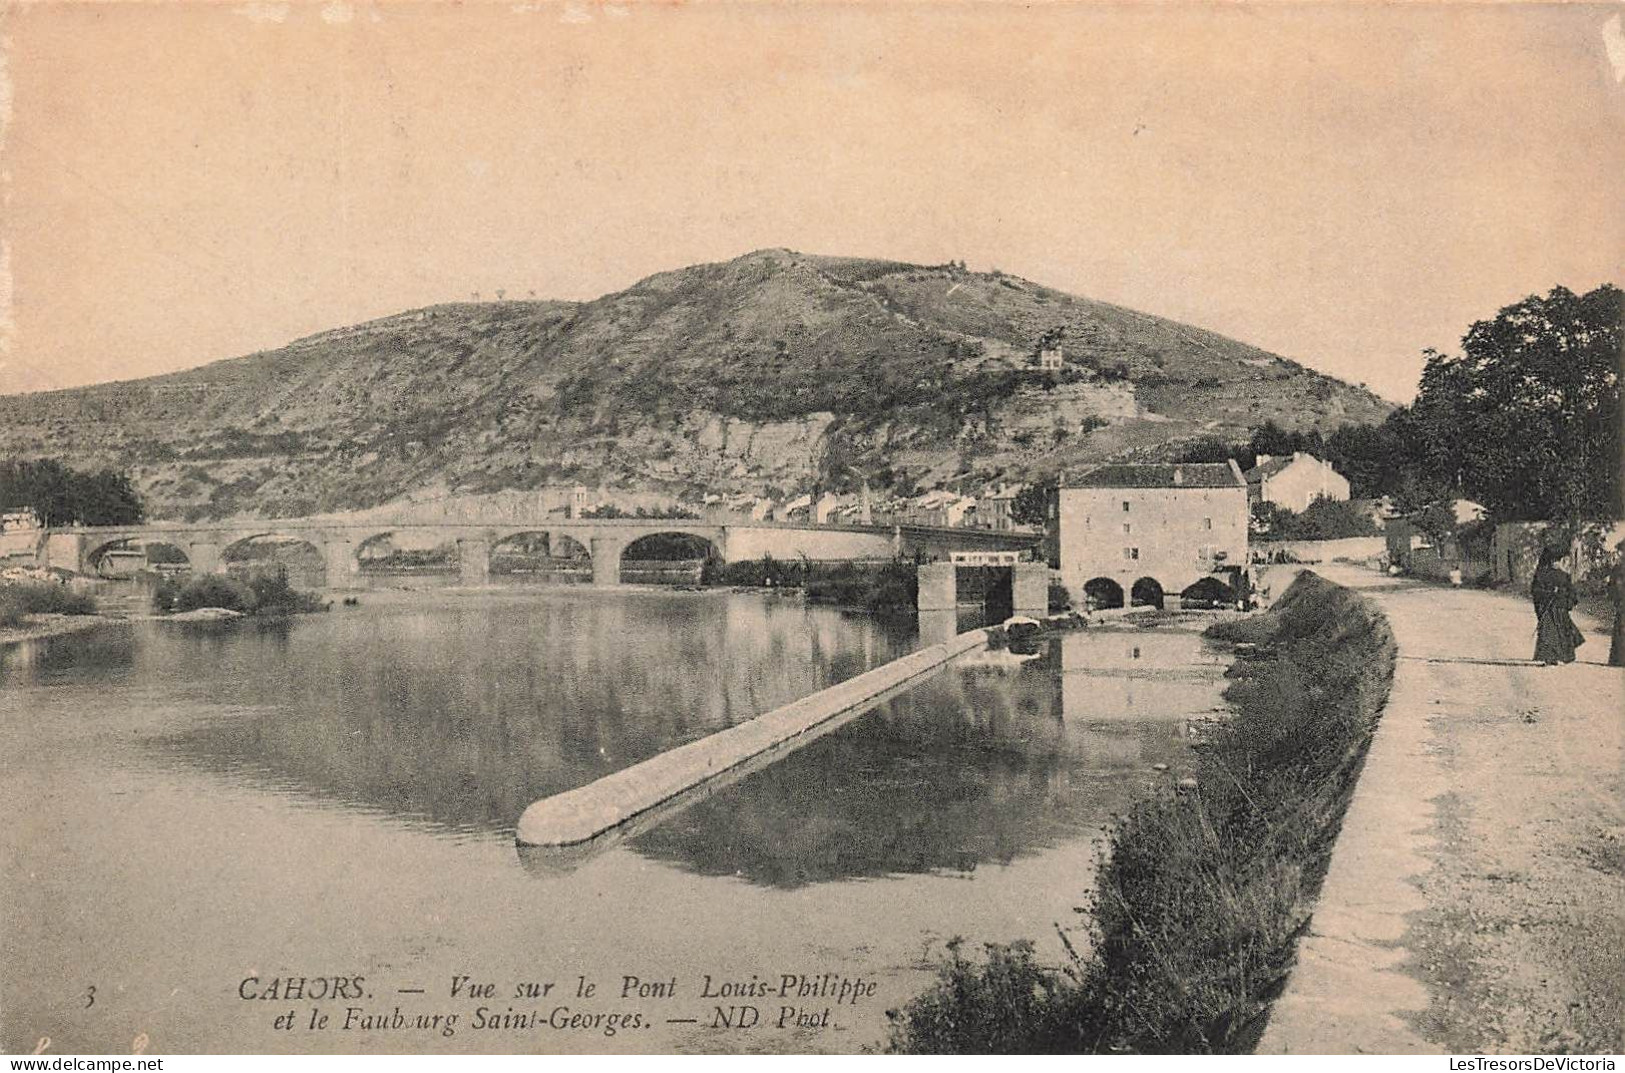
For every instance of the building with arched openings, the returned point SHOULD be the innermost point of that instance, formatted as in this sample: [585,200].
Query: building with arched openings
[1136,533]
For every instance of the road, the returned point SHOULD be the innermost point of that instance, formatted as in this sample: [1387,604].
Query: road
[1476,898]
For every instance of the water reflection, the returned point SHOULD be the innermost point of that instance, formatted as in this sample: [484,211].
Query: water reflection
[994,758]
[456,713]
[463,712]
[64,658]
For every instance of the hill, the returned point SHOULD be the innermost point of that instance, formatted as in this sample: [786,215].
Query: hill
[761,374]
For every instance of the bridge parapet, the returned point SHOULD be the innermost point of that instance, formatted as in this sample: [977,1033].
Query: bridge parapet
[207,544]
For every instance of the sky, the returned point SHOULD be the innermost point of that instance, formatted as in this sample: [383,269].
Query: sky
[1343,184]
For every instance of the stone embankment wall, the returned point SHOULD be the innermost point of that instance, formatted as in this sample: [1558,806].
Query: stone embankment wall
[1353,549]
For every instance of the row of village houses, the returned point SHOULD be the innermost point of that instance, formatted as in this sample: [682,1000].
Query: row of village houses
[1291,481]
[989,510]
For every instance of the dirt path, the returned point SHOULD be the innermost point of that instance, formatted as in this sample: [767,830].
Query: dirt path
[1476,900]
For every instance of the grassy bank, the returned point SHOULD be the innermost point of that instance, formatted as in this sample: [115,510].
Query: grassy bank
[1203,892]
[22,599]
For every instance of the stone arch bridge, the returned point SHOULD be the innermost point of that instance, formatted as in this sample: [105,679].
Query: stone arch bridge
[207,544]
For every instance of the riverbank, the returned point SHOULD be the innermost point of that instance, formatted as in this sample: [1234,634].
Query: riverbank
[1206,884]
[1476,902]
[39,627]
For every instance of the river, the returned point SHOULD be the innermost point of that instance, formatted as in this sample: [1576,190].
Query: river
[334,797]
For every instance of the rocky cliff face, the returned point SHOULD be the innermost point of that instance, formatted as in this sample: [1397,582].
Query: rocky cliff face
[763,374]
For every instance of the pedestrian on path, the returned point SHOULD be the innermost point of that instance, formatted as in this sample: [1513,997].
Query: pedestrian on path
[1616,590]
[1556,635]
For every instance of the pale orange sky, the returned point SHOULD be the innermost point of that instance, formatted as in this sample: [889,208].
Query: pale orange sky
[1344,185]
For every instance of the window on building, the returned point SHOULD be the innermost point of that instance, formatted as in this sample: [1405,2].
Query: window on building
[1207,523]
[1127,527]
[1131,553]
[1125,505]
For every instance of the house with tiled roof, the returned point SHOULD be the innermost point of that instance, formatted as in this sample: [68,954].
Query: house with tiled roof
[1133,533]
[1294,481]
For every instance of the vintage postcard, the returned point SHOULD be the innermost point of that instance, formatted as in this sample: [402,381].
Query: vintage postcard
[811,527]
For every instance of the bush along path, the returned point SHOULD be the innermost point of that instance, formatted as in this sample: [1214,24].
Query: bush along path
[1205,889]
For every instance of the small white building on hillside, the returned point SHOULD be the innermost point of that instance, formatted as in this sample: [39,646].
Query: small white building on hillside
[1294,481]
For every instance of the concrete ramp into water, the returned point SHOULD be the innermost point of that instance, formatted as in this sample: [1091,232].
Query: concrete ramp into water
[590,812]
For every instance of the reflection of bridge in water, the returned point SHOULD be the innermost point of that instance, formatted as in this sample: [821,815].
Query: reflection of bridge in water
[208,547]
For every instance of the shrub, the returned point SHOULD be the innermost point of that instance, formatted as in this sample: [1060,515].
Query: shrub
[889,589]
[1007,1004]
[274,596]
[43,598]
[766,571]
[209,590]
[1059,598]
[262,594]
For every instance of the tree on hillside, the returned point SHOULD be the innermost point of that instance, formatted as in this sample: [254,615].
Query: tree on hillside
[1031,504]
[1526,419]
[1271,439]
[1214,449]
[107,498]
[64,496]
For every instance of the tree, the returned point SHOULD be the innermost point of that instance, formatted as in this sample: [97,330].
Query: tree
[1214,449]
[1269,519]
[1330,519]
[106,498]
[1526,419]
[64,496]
[1372,457]
[1271,439]
[1031,504]
[1324,519]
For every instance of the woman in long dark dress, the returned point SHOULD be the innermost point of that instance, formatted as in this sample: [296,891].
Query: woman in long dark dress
[1556,635]
[1616,590]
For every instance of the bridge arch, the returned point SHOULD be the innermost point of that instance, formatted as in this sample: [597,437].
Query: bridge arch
[1102,592]
[1207,591]
[1146,592]
[294,557]
[122,557]
[403,551]
[541,555]
[668,557]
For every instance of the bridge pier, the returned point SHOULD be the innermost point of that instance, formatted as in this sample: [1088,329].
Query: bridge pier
[204,555]
[65,551]
[938,627]
[939,587]
[340,563]
[474,561]
[606,561]
[1029,584]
